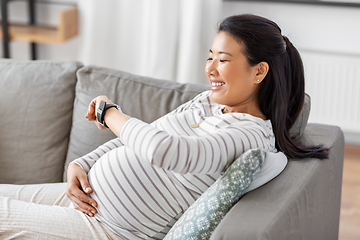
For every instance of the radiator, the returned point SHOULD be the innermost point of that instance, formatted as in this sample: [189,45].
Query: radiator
[333,83]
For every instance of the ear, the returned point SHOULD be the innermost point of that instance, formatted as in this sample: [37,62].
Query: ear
[262,69]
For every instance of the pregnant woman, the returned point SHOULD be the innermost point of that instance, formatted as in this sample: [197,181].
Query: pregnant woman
[137,185]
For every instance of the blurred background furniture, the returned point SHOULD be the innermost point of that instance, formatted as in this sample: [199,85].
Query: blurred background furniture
[35,32]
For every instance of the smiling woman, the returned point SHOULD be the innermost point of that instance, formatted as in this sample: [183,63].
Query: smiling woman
[234,82]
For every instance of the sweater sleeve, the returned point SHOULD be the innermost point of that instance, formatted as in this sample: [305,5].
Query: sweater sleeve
[211,153]
[88,160]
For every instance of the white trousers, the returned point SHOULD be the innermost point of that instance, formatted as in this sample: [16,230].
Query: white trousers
[43,211]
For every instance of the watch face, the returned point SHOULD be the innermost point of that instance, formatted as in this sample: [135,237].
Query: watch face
[99,112]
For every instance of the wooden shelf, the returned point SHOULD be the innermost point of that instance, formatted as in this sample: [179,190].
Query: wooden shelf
[68,27]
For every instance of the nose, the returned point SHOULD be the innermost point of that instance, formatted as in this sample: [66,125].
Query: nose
[210,68]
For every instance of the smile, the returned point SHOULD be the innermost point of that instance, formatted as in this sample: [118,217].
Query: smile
[217,84]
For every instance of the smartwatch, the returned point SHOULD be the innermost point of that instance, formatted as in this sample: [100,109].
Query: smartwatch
[100,112]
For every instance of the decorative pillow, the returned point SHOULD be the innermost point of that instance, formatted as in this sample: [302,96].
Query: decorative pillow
[202,217]
[274,164]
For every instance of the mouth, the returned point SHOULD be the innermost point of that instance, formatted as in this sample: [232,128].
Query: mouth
[215,85]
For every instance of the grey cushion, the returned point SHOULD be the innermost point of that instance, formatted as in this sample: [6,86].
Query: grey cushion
[36,109]
[141,97]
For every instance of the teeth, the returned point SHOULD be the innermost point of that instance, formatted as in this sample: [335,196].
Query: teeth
[217,84]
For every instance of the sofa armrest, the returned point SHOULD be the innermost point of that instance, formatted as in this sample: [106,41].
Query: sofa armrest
[303,202]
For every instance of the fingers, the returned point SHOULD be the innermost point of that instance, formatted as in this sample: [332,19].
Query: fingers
[84,210]
[91,115]
[85,185]
[94,104]
[82,202]
[77,187]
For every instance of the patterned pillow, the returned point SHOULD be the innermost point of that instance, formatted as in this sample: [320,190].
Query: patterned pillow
[201,218]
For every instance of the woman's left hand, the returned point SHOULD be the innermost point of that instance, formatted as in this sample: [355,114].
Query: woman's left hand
[93,106]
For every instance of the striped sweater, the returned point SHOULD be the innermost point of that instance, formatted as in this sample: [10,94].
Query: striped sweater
[144,180]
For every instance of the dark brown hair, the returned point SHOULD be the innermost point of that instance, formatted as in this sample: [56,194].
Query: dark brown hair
[281,94]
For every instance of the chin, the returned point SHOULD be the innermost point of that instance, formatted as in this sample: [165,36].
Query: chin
[216,98]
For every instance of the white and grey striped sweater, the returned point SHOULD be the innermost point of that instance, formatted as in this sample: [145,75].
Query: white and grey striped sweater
[145,179]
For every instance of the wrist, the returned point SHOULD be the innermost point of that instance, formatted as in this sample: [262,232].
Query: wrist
[109,114]
[75,164]
[116,120]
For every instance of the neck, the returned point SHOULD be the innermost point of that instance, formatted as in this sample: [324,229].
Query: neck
[252,109]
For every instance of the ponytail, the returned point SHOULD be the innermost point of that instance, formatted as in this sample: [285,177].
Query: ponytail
[294,70]
[282,92]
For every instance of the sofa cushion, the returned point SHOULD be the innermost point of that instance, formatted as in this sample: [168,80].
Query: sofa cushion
[36,111]
[141,97]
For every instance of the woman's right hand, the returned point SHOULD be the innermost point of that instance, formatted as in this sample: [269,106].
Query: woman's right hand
[77,187]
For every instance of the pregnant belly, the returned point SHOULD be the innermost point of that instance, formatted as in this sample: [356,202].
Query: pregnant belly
[131,194]
[107,180]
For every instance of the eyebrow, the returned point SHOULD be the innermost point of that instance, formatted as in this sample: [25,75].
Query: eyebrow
[221,52]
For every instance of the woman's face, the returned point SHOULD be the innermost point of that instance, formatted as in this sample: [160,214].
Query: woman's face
[233,80]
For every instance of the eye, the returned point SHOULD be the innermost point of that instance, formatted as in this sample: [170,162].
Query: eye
[222,60]
[209,59]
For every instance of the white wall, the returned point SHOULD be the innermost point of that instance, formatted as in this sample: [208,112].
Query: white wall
[309,27]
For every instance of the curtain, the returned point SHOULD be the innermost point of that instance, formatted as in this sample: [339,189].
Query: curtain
[166,39]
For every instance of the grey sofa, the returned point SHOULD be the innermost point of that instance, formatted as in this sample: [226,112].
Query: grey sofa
[42,106]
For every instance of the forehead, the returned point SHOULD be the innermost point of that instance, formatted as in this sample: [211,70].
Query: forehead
[224,41]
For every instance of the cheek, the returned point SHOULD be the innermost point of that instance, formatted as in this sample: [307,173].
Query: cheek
[230,73]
